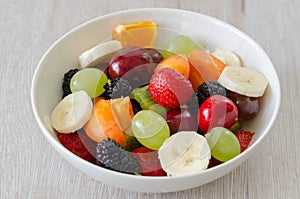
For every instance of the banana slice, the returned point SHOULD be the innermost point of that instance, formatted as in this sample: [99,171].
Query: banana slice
[244,81]
[99,53]
[228,57]
[185,152]
[72,112]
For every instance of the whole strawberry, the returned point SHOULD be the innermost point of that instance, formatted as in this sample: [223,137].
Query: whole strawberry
[169,88]
[244,138]
[78,143]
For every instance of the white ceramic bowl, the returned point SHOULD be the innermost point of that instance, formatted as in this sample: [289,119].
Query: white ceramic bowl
[63,55]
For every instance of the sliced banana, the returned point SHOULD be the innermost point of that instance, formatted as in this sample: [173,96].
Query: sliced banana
[99,53]
[185,152]
[244,81]
[72,112]
[228,57]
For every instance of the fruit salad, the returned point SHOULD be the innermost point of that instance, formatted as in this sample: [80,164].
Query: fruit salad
[137,108]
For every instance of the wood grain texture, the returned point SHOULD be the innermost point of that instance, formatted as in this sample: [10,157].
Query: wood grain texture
[30,168]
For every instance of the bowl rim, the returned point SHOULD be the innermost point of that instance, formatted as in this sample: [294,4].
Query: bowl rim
[237,160]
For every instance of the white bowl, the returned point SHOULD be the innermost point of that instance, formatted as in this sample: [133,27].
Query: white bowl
[63,55]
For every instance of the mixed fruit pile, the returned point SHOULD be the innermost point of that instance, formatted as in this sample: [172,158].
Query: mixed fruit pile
[137,109]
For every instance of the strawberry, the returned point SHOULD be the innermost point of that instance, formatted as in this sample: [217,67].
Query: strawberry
[169,88]
[148,161]
[244,138]
[78,143]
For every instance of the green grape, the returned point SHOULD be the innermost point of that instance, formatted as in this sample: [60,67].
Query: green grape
[150,129]
[142,96]
[223,144]
[91,80]
[179,45]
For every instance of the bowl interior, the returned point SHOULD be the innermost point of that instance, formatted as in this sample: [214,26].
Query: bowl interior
[63,55]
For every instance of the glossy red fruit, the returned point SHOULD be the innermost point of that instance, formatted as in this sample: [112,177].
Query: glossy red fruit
[79,144]
[169,88]
[130,58]
[244,138]
[217,111]
[148,161]
[181,120]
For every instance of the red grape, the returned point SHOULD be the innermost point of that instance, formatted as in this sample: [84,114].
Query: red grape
[217,111]
[181,120]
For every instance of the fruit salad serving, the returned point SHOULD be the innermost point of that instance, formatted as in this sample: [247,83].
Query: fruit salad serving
[167,109]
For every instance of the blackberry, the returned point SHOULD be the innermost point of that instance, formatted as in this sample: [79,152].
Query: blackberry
[112,156]
[211,88]
[192,104]
[66,82]
[116,88]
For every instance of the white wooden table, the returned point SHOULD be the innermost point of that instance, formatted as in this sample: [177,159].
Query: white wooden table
[29,166]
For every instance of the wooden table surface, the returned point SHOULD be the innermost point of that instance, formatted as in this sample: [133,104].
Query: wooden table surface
[31,168]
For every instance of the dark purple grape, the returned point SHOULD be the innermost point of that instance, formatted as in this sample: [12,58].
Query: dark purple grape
[155,55]
[133,64]
[248,106]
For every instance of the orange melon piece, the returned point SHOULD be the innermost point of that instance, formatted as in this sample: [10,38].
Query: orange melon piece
[195,77]
[96,99]
[177,62]
[204,67]
[102,124]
